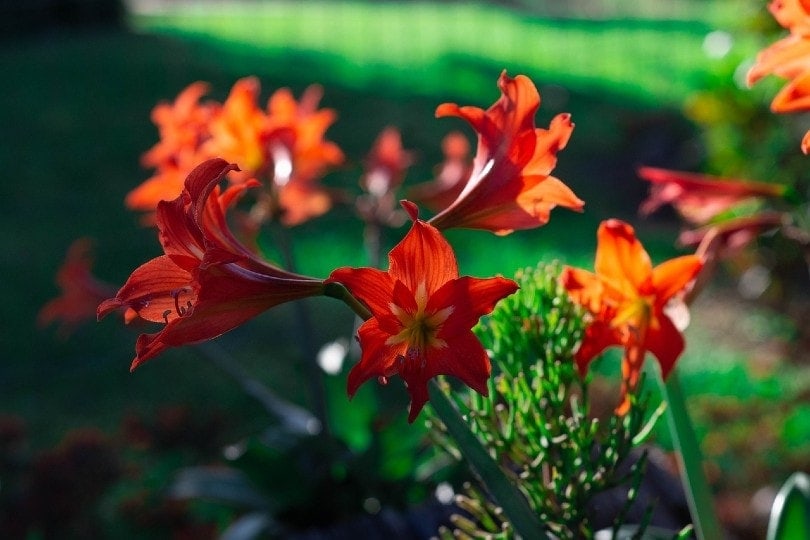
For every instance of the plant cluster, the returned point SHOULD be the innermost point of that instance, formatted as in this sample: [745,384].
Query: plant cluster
[509,394]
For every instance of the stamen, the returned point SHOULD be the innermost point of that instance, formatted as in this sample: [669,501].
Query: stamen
[166,315]
[181,311]
[382,380]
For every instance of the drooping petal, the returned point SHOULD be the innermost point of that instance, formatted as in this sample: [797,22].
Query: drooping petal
[463,358]
[153,291]
[378,358]
[227,297]
[599,335]
[666,343]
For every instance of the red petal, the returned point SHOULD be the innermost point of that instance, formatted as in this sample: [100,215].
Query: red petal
[371,286]
[225,301]
[598,337]
[665,342]
[378,359]
[463,358]
[423,257]
[151,290]
[470,299]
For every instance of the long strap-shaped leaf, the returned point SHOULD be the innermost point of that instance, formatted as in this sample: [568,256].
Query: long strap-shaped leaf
[523,519]
[790,515]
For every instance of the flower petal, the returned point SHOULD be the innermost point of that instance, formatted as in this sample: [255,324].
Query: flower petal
[463,358]
[470,298]
[228,297]
[423,256]
[152,291]
[378,359]
[620,257]
[666,343]
[371,286]
[671,277]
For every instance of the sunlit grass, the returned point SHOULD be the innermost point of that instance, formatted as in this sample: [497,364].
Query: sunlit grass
[439,49]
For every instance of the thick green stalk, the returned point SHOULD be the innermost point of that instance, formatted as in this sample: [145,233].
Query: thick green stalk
[522,517]
[698,494]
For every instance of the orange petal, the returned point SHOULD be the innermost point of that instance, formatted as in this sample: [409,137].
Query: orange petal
[671,277]
[620,257]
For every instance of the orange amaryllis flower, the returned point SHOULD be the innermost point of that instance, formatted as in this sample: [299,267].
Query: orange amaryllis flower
[236,131]
[510,186]
[165,185]
[294,135]
[788,58]
[628,301]
[182,125]
[451,175]
[298,129]
[206,283]
[697,197]
[81,290]
[422,315]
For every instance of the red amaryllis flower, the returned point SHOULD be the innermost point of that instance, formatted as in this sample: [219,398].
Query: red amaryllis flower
[451,175]
[735,233]
[628,300]
[788,58]
[510,186]
[386,163]
[81,290]
[422,315]
[697,197]
[206,283]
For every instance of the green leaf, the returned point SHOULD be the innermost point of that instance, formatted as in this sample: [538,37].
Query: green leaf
[221,484]
[521,516]
[790,514]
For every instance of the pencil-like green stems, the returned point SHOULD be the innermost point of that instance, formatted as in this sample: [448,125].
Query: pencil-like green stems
[523,519]
[698,494]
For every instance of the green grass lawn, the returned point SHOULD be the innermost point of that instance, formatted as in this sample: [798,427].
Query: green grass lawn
[76,118]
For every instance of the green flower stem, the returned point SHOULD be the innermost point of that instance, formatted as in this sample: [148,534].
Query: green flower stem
[523,519]
[315,375]
[336,290]
[698,494]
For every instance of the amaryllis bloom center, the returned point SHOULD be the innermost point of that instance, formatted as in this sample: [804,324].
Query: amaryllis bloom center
[420,328]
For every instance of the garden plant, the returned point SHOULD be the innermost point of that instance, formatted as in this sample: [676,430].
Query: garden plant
[497,369]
